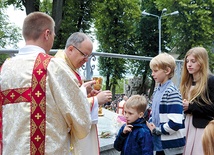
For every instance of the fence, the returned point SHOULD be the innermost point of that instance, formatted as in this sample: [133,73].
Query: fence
[88,68]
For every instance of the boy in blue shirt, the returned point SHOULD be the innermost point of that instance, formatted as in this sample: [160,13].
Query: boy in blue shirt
[134,137]
[167,119]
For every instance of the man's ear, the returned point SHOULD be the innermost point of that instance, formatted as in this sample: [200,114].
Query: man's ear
[70,48]
[47,33]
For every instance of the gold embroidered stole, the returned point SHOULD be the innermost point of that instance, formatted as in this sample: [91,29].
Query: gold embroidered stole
[36,95]
[62,54]
[77,146]
[72,67]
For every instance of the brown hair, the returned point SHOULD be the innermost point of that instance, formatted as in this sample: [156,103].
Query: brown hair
[201,56]
[35,23]
[137,102]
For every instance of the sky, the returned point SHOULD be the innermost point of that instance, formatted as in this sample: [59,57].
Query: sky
[17,17]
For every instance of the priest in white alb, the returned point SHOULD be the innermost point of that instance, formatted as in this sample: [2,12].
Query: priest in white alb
[41,106]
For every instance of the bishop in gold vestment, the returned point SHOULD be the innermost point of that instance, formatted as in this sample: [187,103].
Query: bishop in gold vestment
[77,51]
[91,142]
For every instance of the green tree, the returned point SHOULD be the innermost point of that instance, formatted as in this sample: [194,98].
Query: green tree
[120,28]
[9,32]
[193,26]
[69,15]
[145,44]
[76,17]
[115,24]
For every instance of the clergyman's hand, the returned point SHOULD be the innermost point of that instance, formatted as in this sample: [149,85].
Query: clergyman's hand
[104,97]
[88,85]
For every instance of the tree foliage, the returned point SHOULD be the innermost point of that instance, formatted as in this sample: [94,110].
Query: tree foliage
[146,44]
[76,16]
[120,28]
[193,26]
[30,6]
[115,22]
[69,15]
[9,32]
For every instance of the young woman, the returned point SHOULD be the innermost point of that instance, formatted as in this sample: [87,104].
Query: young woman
[197,90]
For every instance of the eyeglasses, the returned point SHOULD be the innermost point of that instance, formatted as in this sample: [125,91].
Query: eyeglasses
[85,55]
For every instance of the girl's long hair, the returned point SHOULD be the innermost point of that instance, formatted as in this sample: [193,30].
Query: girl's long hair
[200,89]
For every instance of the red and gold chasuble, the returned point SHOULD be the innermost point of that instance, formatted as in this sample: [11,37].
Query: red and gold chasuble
[37,97]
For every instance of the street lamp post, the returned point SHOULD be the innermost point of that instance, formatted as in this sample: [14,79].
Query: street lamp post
[159,22]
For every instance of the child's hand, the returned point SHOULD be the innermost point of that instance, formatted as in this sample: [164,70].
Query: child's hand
[127,129]
[185,104]
[151,126]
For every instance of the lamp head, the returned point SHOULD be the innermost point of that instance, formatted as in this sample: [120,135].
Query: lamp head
[145,13]
[164,10]
[174,13]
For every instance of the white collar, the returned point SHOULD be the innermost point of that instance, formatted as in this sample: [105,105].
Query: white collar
[30,49]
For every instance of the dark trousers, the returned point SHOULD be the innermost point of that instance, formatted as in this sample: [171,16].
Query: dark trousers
[162,153]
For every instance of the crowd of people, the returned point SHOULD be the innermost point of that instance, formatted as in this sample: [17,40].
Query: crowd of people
[117,105]
[46,108]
